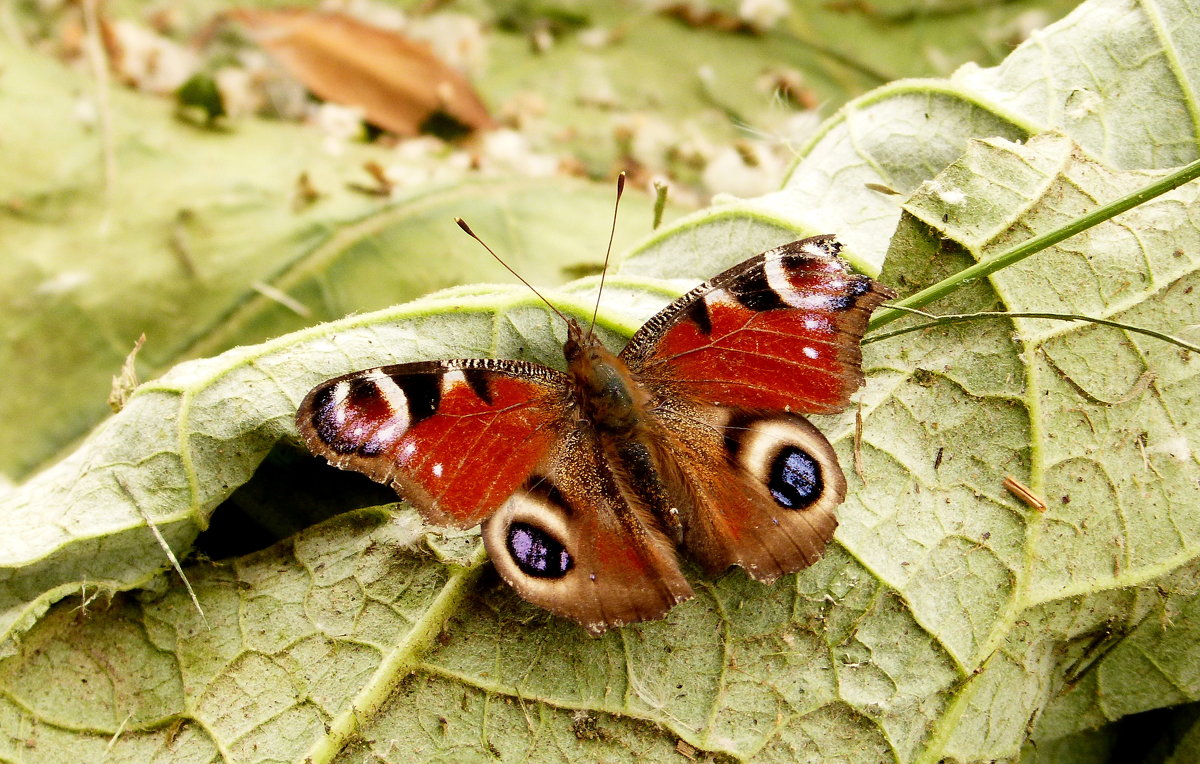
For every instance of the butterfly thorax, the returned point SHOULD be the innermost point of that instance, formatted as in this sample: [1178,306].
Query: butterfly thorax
[605,391]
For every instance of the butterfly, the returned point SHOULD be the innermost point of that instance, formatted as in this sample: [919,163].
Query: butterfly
[590,483]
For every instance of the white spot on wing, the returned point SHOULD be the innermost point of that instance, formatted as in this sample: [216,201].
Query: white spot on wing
[340,392]
[810,352]
[719,297]
[452,378]
[437,470]
[388,433]
[777,276]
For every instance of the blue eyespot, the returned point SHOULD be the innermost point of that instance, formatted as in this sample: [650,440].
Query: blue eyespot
[795,479]
[536,552]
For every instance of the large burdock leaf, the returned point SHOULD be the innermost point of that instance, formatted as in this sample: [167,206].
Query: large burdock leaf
[946,607]
[948,621]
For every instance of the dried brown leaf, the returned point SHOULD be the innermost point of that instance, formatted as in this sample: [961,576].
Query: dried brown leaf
[397,82]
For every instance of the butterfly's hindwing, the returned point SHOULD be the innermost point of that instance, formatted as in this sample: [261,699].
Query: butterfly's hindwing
[765,487]
[787,455]
[572,541]
[778,331]
[455,438]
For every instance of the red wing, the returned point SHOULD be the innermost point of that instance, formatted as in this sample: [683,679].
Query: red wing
[454,438]
[778,331]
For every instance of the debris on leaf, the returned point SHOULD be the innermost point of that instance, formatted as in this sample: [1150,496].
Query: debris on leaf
[686,750]
[124,382]
[201,94]
[1024,493]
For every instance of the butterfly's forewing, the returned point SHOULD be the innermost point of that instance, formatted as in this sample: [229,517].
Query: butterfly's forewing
[778,331]
[497,441]
[454,438]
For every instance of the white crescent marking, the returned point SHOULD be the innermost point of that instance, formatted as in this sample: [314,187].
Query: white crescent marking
[336,405]
[777,279]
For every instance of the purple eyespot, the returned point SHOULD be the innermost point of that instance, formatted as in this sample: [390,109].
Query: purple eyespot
[536,552]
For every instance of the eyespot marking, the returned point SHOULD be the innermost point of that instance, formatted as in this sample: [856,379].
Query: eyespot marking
[795,478]
[536,552]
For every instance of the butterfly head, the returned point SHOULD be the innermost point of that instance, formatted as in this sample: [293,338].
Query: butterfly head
[581,343]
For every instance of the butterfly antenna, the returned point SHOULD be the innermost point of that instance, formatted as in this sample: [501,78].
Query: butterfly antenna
[463,225]
[608,252]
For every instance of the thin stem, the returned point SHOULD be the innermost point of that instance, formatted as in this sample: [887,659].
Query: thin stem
[961,317]
[1037,244]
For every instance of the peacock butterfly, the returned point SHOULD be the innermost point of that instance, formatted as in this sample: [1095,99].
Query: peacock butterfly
[588,483]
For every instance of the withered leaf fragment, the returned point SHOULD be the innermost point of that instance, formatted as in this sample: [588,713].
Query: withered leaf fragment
[397,82]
